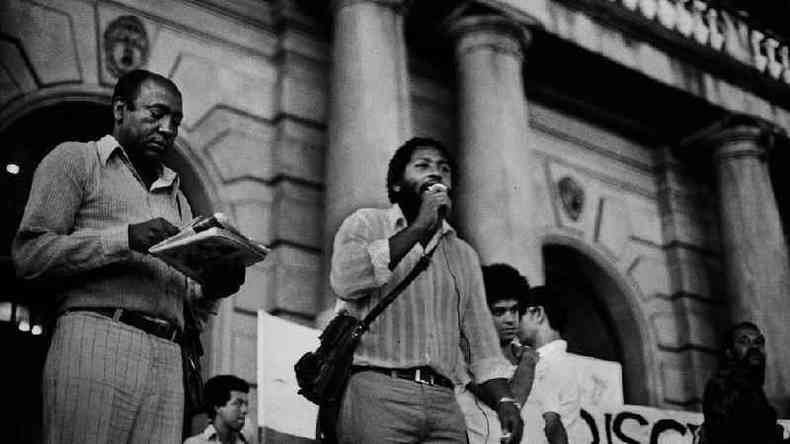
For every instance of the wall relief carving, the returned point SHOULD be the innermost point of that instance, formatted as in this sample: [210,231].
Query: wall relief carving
[571,196]
[126,45]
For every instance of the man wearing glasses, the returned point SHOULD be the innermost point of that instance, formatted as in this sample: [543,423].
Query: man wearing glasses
[552,412]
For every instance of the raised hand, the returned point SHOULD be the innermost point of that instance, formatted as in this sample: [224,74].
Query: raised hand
[434,206]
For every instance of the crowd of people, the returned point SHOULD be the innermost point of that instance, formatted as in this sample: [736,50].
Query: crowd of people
[467,353]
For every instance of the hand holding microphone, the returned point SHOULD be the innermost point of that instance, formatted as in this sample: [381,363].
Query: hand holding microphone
[435,204]
[440,188]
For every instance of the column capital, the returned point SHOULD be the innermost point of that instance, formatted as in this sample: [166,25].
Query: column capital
[491,30]
[396,5]
[736,135]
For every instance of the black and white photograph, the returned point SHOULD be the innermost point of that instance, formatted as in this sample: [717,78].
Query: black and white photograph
[395,221]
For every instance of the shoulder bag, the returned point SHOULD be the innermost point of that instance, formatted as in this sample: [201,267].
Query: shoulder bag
[322,374]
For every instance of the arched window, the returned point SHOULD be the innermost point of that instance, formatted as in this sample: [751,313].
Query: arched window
[602,321]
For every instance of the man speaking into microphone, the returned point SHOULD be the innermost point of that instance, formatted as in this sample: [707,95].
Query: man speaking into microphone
[401,388]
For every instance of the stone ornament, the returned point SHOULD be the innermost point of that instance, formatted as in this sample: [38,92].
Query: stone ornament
[571,197]
[126,45]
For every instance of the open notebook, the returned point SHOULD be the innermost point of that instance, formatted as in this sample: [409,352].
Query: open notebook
[208,241]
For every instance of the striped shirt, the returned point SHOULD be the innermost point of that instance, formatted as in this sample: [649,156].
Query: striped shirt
[440,313]
[74,233]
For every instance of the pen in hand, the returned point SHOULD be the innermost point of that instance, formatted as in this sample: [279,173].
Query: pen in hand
[206,223]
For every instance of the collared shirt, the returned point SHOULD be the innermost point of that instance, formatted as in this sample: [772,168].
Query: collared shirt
[210,435]
[440,313]
[74,233]
[555,389]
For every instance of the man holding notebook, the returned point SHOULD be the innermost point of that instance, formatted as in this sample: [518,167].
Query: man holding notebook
[113,372]
[401,387]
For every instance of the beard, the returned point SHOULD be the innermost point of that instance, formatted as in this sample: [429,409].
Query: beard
[409,200]
[753,364]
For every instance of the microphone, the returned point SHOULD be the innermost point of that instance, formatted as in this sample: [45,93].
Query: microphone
[433,187]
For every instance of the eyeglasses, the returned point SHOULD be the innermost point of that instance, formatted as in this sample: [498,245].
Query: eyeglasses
[532,310]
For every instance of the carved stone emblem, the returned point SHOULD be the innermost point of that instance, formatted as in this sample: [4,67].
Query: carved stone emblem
[572,197]
[125,45]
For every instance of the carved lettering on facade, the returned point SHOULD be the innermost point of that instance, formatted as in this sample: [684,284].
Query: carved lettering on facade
[716,27]
[719,30]
[667,14]
[649,8]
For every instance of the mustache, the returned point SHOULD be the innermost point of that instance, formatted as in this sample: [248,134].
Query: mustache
[747,357]
[430,185]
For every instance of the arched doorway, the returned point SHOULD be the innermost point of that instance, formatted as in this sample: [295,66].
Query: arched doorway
[602,322]
[24,309]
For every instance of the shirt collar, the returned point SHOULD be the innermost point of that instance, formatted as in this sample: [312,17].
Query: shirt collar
[397,220]
[210,433]
[108,145]
[554,347]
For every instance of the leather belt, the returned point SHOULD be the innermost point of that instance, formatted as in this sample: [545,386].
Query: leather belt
[423,375]
[151,325]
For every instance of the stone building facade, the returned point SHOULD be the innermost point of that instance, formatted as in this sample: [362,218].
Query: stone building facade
[616,147]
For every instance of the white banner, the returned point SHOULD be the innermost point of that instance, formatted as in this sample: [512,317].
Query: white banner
[601,381]
[631,424]
[608,421]
[280,344]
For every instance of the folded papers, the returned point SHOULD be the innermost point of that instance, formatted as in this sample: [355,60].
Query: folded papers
[206,243]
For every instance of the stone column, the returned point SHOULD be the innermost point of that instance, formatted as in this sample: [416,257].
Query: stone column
[757,271]
[369,107]
[494,203]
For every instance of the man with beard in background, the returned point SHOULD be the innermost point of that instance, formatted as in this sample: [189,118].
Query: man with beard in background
[735,406]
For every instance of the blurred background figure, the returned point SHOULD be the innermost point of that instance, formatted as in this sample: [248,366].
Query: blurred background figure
[227,404]
[735,406]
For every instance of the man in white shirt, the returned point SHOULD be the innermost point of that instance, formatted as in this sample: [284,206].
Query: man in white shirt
[552,410]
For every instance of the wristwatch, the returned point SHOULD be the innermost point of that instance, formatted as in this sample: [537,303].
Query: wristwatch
[510,400]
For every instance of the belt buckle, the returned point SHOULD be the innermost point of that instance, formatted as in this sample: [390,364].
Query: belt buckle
[418,377]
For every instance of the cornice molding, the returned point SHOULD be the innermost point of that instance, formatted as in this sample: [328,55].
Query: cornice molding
[736,135]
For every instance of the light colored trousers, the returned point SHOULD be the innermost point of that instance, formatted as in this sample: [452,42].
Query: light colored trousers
[380,409]
[106,382]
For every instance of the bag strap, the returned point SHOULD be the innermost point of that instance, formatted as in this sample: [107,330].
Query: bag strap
[422,264]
